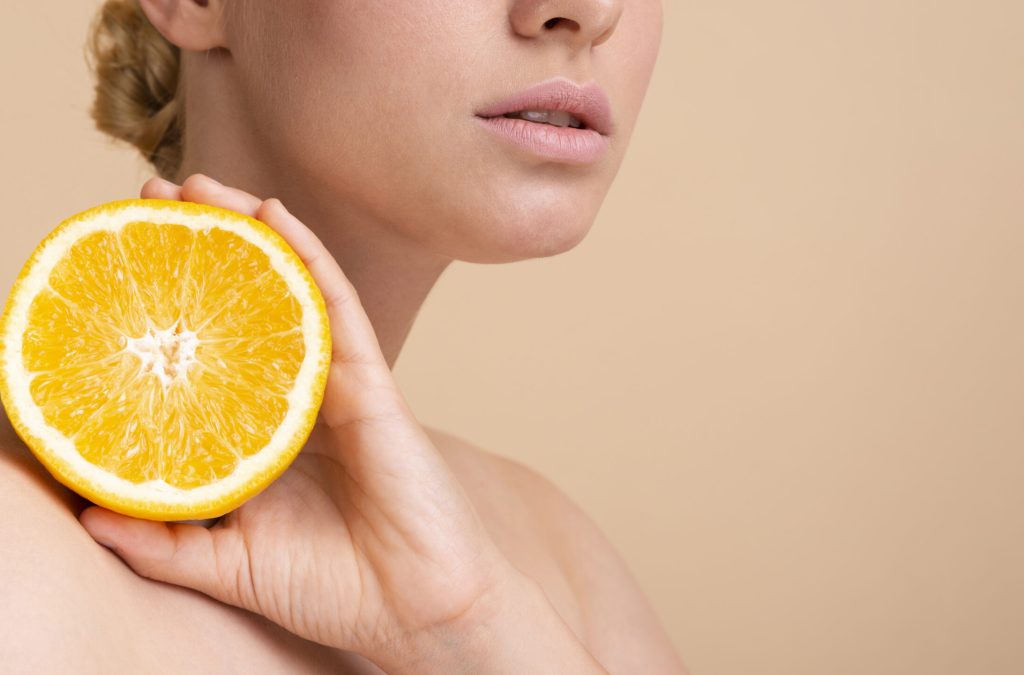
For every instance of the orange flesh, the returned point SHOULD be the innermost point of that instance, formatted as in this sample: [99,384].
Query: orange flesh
[164,352]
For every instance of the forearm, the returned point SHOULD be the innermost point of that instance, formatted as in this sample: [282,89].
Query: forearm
[515,630]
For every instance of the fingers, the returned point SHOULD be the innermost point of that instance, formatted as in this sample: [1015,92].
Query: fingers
[351,331]
[205,190]
[212,561]
[201,189]
[158,188]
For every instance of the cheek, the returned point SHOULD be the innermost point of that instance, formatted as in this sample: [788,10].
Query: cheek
[367,92]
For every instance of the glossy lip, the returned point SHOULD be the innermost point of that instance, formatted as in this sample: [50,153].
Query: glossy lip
[586,102]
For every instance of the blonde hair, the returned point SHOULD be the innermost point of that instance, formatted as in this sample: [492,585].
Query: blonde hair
[138,93]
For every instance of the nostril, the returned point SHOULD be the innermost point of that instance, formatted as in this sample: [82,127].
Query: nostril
[551,23]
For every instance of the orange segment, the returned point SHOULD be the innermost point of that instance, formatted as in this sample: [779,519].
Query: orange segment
[84,338]
[222,271]
[120,437]
[93,276]
[157,258]
[69,397]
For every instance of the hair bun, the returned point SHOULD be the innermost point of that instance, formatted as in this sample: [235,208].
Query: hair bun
[137,81]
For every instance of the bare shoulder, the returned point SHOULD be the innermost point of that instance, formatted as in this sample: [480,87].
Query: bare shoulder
[57,583]
[46,570]
[550,538]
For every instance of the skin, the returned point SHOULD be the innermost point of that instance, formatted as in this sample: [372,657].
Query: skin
[417,552]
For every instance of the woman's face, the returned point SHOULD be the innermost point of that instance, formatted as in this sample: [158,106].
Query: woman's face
[377,102]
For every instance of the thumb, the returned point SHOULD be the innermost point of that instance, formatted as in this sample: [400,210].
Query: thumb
[212,561]
[361,386]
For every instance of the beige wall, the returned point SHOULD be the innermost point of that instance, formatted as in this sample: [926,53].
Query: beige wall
[784,372]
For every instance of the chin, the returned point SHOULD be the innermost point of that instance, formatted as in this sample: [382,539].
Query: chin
[507,238]
[559,237]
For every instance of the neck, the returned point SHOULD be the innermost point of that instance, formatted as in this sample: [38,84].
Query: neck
[391,273]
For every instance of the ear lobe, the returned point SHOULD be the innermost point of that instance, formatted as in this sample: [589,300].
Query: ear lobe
[193,25]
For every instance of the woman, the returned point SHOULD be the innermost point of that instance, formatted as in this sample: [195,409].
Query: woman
[405,135]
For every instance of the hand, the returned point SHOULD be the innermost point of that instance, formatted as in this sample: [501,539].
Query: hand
[367,542]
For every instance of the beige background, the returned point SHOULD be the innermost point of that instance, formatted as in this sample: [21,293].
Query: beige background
[784,372]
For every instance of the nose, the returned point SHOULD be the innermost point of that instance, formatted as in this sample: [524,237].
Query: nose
[580,23]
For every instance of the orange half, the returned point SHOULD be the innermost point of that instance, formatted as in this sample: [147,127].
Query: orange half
[164,359]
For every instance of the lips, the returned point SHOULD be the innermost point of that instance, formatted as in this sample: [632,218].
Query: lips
[558,102]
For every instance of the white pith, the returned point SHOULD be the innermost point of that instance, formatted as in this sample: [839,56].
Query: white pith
[165,353]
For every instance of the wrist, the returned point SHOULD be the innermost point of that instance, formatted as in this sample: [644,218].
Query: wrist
[512,628]
[460,643]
